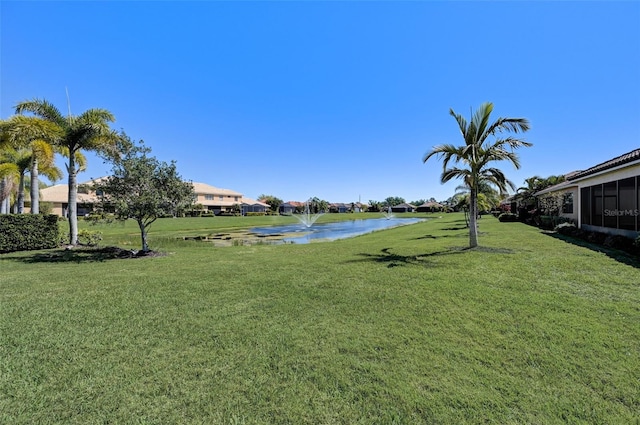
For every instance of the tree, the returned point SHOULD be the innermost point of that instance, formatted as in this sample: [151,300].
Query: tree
[39,136]
[525,194]
[17,162]
[273,201]
[144,189]
[392,201]
[483,146]
[374,206]
[87,131]
[317,205]
[8,180]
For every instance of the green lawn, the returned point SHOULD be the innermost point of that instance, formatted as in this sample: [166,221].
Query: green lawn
[399,326]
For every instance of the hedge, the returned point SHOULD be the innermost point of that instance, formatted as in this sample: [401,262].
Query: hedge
[24,232]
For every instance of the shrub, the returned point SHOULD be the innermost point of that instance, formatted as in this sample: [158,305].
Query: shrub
[46,208]
[566,228]
[89,237]
[24,232]
[618,242]
[505,217]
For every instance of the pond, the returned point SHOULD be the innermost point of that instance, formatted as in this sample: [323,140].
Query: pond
[332,231]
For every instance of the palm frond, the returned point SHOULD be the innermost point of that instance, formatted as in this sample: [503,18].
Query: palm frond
[41,108]
[511,125]
[455,172]
[97,116]
[462,122]
[481,119]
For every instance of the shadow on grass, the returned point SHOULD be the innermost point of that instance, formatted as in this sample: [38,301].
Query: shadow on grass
[439,237]
[81,255]
[615,254]
[394,260]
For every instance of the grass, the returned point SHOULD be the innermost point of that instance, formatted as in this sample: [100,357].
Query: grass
[399,326]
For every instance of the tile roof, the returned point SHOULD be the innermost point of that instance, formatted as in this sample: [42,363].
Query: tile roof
[632,156]
[203,188]
[250,201]
[60,194]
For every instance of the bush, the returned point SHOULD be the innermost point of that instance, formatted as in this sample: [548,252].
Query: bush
[24,232]
[618,242]
[89,237]
[505,217]
[567,228]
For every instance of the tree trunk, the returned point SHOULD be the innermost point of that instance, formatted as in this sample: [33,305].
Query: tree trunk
[35,198]
[143,235]
[72,212]
[4,197]
[20,200]
[473,218]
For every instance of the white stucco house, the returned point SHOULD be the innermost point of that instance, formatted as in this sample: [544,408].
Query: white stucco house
[603,198]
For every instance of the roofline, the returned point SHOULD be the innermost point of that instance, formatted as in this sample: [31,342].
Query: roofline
[619,162]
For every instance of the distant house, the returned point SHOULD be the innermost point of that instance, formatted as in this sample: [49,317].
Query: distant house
[403,208]
[216,199]
[288,207]
[252,206]
[604,198]
[430,207]
[210,197]
[359,207]
[339,208]
[58,196]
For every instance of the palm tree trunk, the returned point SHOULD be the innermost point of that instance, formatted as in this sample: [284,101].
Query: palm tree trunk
[3,209]
[35,198]
[473,218]
[20,200]
[73,201]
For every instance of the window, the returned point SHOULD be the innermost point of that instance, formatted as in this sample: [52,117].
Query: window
[235,198]
[627,204]
[222,197]
[611,204]
[614,204]
[567,203]
[208,197]
[596,205]
[585,205]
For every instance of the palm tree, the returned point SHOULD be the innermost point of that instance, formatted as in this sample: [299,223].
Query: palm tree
[15,163]
[8,178]
[534,184]
[482,147]
[87,131]
[39,136]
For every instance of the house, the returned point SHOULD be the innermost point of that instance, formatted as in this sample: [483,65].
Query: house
[210,197]
[339,208]
[252,206]
[216,199]
[290,207]
[401,208]
[359,207]
[58,196]
[430,207]
[604,198]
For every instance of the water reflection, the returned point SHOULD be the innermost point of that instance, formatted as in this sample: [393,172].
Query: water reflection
[333,231]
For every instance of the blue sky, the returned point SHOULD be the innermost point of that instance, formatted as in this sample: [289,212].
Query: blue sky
[338,100]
